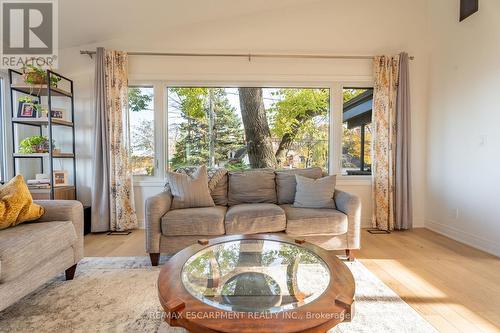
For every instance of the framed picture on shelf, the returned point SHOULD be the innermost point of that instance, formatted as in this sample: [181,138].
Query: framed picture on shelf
[57,113]
[26,110]
[60,178]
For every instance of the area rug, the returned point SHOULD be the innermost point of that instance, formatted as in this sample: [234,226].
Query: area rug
[119,294]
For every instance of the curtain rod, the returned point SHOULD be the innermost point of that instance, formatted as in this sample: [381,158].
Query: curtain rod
[248,56]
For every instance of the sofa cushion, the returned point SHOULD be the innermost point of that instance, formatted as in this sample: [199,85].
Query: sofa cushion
[315,193]
[217,182]
[252,186]
[218,187]
[286,183]
[203,221]
[254,218]
[27,245]
[312,221]
[190,191]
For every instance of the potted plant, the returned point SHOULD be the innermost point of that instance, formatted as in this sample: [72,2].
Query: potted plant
[34,75]
[35,144]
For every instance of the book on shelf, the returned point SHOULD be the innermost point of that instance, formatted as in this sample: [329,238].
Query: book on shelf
[40,186]
[37,181]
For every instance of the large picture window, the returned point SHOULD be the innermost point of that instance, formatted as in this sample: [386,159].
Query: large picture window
[248,127]
[142,129]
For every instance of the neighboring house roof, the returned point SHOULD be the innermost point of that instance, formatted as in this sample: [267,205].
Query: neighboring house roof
[358,110]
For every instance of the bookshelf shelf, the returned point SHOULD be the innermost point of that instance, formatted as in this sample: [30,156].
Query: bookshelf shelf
[40,90]
[42,121]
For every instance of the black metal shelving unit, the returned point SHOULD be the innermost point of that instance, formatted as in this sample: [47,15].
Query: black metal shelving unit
[38,91]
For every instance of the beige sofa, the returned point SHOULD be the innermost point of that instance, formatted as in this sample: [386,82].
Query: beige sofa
[35,252]
[249,202]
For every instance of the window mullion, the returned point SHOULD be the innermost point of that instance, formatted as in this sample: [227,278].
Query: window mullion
[336,103]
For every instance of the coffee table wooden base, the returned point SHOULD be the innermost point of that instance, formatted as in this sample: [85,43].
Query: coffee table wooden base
[334,306]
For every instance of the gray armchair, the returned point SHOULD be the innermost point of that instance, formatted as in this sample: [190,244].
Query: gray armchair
[33,253]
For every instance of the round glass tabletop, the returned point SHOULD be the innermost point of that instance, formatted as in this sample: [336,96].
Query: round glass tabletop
[255,276]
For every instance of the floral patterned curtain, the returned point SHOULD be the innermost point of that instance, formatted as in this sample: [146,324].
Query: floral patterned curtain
[121,205]
[386,72]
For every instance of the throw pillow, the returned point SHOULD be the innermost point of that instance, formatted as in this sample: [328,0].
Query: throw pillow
[16,204]
[286,184]
[217,182]
[314,193]
[190,191]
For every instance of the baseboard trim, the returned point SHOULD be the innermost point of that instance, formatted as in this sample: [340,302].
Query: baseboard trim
[461,236]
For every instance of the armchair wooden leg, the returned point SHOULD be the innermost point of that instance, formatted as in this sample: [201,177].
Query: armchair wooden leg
[155,258]
[349,255]
[70,272]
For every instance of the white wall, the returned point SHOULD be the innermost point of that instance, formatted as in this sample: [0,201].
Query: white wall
[463,161]
[327,26]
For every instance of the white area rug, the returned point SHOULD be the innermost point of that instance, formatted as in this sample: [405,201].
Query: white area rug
[119,294]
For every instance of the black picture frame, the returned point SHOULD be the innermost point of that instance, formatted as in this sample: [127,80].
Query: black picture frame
[27,110]
[467,8]
[57,114]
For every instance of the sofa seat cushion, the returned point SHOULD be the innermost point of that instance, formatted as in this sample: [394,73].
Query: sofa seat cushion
[27,245]
[255,218]
[314,221]
[203,221]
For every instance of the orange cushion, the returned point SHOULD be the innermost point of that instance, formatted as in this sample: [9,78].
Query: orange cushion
[16,204]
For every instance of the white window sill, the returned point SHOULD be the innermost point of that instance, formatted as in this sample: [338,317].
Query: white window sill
[152,182]
[343,180]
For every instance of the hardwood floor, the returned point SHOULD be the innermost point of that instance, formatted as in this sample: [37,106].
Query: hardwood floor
[453,286]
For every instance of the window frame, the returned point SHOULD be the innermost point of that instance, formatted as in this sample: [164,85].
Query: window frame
[349,179]
[3,123]
[335,127]
[158,130]
[358,86]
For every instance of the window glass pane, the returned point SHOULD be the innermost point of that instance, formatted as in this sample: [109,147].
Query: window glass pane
[141,111]
[357,133]
[242,128]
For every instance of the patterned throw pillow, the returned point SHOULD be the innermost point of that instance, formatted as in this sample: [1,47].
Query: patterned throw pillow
[16,204]
[190,191]
[217,182]
[315,193]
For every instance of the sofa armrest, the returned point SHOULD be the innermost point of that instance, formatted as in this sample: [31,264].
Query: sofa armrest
[65,210]
[156,206]
[350,205]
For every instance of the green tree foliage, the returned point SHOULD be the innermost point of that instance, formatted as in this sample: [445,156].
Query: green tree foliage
[192,147]
[299,121]
[137,100]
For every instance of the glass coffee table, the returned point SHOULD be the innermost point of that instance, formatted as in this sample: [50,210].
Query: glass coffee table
[255,283]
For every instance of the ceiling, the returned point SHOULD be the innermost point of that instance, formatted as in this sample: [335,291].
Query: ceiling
[93,21]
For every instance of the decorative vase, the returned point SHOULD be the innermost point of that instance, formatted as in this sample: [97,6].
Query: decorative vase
[42,147]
